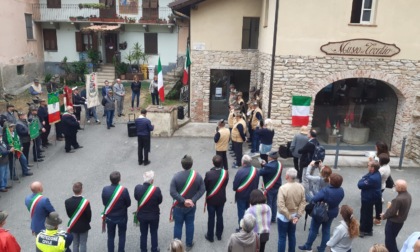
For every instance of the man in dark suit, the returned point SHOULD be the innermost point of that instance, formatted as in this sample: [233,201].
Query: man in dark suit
[271,173]
[70,128]
[78,102]
[79,220]
[116,214]
[43,118]
[144,127]
[149,198]
[307,152]
[215,181]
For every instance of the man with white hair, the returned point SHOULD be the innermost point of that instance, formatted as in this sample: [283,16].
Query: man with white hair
[245,240]
[149,197]
[246,180]
[70,128]
[290,206]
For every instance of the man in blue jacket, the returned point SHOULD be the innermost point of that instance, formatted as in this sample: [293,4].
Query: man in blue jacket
[370,186]
[271,173]
[38,206]
[246,180]
[116,214]
[144,127]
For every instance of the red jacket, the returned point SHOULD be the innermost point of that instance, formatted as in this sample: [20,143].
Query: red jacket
[8,242]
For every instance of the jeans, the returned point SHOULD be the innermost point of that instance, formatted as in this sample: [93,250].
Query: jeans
[4,174]
[224,157]
[366,220]
[313,232]
[111,224]
[180,216]
[237,148]
[23,163]
[133,96]
[155,98]
[215,211]
[272,202]
[109,117]
[255,142]
[144,228]
[242,205]
[143,148]
[286,229]
[80,241]
[391,232]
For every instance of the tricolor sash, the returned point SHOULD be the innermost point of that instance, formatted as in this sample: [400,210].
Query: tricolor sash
[273,181]
[146,197]
[77,213]
[247,182]
[111,203]
[35,200]
[217,186]
[187,186]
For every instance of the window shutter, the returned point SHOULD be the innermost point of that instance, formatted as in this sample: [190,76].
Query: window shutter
[150,43]
[154,3]
[94,40]
[53,3]
[356,11]
[146,4]
[50,39]
[79,42]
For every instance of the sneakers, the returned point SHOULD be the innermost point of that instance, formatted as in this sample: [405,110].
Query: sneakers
[98,122]
[88,121]
[377,222]
[304,248]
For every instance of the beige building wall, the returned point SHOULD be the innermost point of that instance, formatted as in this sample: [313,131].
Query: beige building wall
[304,26]
[16,49]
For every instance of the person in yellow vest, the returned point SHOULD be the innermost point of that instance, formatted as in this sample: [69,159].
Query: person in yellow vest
[256,119]
[52,239]
[238,138]
[221,138]
[231,119]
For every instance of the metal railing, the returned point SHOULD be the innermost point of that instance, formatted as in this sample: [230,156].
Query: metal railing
[72,11]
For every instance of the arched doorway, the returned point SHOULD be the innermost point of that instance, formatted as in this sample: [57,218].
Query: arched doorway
[362,110]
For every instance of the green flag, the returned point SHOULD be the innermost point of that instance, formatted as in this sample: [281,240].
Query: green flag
[34,128]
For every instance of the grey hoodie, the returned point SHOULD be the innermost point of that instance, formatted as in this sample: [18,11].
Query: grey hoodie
[340,241]
[242,242]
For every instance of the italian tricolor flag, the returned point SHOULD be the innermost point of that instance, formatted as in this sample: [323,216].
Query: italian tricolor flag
[187,64]
[53,108]
[300,110]
[160,82]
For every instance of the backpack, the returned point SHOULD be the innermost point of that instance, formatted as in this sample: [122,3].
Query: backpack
[319,153]
[320,211]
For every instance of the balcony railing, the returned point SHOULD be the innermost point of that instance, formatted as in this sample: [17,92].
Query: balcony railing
[128,14]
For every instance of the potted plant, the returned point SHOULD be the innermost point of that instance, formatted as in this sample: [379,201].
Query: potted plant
[94,18]
[121,69]
[139,56]
[93,55]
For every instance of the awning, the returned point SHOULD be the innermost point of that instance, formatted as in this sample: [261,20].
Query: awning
[101,28]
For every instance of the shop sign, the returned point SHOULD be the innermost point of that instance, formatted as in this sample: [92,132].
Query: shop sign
[360,47]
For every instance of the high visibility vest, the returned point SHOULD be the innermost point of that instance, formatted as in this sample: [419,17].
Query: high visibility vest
[236,136]
[223,143]
[51,241]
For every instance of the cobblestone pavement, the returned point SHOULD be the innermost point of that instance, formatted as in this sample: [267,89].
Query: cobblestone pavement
[108,150]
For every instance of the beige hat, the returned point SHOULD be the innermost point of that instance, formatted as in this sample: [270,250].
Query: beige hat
[3,216]
[304,130]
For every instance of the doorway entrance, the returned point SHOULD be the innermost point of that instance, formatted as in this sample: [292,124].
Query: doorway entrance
[362,110]
[111,46]
[220,80]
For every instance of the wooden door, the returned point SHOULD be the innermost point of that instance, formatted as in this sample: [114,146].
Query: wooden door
[111,11]
[111,46]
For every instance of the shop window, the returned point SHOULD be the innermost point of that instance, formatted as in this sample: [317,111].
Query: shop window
[19,69]
[50,40]
[362,12]
[150,43]
[150,9]
[250,32]
[53,3]
[29,27]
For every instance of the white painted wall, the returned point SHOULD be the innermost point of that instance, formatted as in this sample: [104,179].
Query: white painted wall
[66,44]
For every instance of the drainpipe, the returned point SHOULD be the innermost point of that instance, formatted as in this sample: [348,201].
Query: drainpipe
[273,57]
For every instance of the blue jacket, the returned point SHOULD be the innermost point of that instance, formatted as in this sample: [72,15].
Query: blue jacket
[42,210]
[143,126]
[332,196]
[123,203]
[240,176]
[265,135]
[268,172]
[370,184]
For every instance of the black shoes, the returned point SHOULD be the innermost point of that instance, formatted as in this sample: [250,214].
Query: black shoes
[146,162]
[70,151]
[28,174]
[39,160]
[112,125]
[140,163]
[363,234]
[79,147]
[41,156]
[208,239]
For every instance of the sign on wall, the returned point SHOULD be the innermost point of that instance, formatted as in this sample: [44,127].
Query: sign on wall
[360,47]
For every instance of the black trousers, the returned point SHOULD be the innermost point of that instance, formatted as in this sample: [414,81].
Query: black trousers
[237,148]
[70,140]
[223,155]
[144,228]
[391,232]
[36,147]
[12,174]
[143,148]
[366,220]
[296,163]
[44,135]
[25,149]
[59,130]
[215,211]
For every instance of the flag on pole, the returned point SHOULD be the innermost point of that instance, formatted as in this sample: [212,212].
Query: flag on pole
[66,98]
[160,82]
[187,64]
[53,108]
[300,110]
[14,142]
[328,123]
[34,128]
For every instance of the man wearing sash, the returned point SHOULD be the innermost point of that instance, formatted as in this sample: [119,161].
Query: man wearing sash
[246,180]
[79,212]
[38,206]
[215,181]
[186,189]
[149,197]
[221,138]
[116,200]
[271,173]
